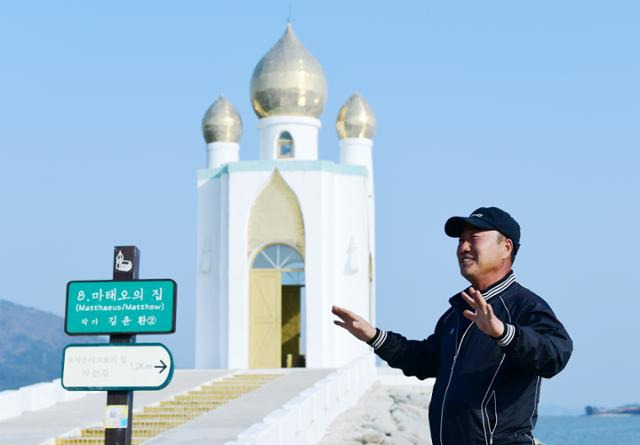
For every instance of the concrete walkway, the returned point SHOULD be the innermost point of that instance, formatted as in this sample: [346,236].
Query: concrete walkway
[226,422]
[33,428]
[216,427]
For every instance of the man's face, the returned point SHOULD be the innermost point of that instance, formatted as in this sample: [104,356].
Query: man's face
[481,253]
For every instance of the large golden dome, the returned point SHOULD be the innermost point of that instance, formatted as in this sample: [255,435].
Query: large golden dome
[221,122]
[356,119]
[288,80]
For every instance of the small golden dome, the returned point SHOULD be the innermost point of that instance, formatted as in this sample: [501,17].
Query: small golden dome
[356,119]
[288,80]
[221,122]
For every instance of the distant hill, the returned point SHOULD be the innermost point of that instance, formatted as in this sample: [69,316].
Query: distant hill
[630,409]
[31,343]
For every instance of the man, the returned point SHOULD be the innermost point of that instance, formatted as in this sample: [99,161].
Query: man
[489,350]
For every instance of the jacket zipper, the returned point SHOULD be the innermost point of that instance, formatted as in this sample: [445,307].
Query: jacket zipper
[444,397]
[486,412]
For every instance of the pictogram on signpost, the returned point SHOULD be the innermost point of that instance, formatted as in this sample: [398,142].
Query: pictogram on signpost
[121,264]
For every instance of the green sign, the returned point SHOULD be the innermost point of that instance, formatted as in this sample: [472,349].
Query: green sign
[121,307]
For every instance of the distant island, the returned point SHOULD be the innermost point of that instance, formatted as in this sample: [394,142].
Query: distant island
[633,409]
[31,345]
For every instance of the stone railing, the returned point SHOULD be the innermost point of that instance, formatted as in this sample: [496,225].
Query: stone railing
[34,397]
[304,419]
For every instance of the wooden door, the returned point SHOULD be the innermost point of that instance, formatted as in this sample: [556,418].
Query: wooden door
[265,319]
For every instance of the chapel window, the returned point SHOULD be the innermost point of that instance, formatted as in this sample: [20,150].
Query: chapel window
[285,146]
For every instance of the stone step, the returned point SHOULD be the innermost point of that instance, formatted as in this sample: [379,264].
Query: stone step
[196,410]
[221,390]
[166,416]
[137,432]
[155,424]
[206,397]
[91,441]
[196,403]
[154,420]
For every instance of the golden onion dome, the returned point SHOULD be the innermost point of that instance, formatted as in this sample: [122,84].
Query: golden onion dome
[221,122]
[288,80]
[356,119]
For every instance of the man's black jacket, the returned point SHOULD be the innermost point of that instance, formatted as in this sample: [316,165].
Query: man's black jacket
[486,390]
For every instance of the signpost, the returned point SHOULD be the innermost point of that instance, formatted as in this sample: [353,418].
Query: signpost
[107,367]
[121,309]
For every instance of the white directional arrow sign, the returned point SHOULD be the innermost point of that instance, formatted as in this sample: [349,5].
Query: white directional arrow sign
[143,366]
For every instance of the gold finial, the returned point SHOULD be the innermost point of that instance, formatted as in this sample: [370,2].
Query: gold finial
[356,119]
[288,80]
[221,122]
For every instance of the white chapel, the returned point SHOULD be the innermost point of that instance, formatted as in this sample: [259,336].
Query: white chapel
[283,238]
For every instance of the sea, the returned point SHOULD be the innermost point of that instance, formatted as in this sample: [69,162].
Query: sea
[588,430]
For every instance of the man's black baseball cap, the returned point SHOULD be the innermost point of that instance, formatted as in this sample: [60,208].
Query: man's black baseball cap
[489,218]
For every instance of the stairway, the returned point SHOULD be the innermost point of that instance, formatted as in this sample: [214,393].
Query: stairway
[157,418]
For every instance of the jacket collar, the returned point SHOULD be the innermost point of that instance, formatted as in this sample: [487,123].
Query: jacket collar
[496,288]
[499,286]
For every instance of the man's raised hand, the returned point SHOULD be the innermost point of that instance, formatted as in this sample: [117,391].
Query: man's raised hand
[483,316]
[358,326]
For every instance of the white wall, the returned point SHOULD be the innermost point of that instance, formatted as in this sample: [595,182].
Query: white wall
[304,419]
[220,153]
[350,267]
[211,314]
[303,130]
[359,151]
[34,397]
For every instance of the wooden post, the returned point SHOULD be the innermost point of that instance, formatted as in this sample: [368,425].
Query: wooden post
[126,262]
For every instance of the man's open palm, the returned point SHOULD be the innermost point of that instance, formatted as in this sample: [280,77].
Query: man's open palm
[358,326]
[483,315]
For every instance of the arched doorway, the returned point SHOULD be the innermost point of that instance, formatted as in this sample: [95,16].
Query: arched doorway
[276,308]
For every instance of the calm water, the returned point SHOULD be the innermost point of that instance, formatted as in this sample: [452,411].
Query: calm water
[592,430]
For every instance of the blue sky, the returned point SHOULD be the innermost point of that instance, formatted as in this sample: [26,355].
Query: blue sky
[531,106]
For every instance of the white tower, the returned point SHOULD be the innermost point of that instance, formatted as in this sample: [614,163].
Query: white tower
[356,125]
[283,238]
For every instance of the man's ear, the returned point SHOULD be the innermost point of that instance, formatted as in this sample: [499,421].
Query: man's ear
[508,244]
